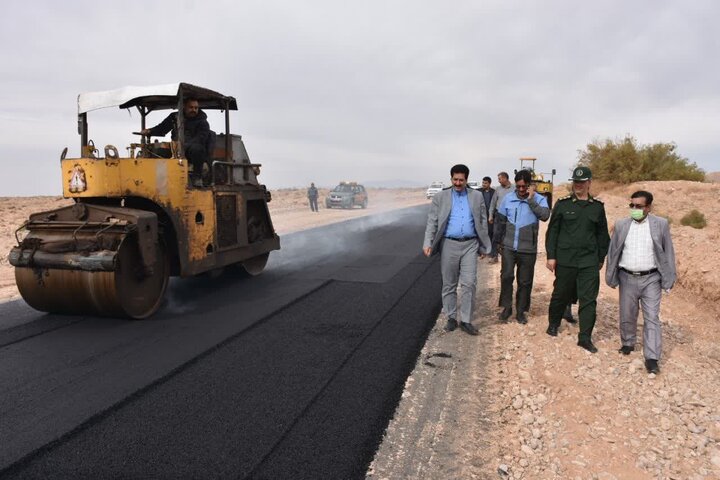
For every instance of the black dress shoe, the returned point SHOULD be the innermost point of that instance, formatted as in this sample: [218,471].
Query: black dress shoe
[626,349]
[568,316]
[552,330]
[587,345]
[505,314]
[468,328]
[521,318]
[450,325]
[652,366]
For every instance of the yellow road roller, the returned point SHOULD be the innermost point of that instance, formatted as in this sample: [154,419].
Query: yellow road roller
[142,217]
[542,186]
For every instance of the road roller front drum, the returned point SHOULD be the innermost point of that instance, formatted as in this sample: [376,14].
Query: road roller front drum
[129,291]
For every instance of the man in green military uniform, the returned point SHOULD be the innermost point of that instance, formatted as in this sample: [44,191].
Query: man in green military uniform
[577,242]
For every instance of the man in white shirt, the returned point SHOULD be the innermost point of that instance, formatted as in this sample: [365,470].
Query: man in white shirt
[641,260]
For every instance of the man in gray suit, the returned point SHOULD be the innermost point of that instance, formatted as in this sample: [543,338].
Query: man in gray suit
[457,227]
[641,259]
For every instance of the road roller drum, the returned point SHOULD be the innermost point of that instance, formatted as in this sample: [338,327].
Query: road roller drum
[128,291]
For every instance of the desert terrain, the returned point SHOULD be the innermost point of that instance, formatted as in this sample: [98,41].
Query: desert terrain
[515,403]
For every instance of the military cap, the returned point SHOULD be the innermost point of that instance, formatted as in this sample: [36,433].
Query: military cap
[581,174]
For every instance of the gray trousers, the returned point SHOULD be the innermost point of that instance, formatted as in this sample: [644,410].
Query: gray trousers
[458,264]
[641,292]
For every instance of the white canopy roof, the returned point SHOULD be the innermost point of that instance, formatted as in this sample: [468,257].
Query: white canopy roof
[155,97]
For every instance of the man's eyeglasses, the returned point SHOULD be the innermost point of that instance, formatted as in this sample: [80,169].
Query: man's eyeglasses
[635,205]
[521,187]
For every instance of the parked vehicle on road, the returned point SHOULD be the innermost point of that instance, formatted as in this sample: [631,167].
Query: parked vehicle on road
[434,188]
[347,195]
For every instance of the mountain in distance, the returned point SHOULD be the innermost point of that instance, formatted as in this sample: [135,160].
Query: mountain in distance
[712,177]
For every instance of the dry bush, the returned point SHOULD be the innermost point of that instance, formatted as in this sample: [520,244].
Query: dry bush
[626,161]
[694,219]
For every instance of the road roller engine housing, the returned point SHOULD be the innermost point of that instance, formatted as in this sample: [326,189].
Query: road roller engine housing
[140,218]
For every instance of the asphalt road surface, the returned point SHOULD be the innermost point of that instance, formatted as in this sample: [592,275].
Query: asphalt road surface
[292,374]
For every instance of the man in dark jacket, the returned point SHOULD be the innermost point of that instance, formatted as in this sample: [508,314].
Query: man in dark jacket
[312,195]
[488,194]
[196,129]
[516,230]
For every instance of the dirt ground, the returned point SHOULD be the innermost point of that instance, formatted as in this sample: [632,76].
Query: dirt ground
[515,403]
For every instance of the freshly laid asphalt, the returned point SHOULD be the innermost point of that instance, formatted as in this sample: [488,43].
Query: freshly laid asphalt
[292,374]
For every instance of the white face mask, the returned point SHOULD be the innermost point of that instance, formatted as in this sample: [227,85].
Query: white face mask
[637,213]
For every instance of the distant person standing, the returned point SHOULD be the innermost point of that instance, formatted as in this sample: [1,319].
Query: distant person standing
[576,243]
[641,260]
[500,192]
[516,230]
[457,227]
[488,194]
[312,195]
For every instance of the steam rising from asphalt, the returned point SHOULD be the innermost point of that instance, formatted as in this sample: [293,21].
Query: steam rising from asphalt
[300,251]
[323,244]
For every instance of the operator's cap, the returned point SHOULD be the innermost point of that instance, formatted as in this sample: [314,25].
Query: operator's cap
[581,174]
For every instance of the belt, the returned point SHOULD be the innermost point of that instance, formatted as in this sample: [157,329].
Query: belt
[460,239]
[640,274]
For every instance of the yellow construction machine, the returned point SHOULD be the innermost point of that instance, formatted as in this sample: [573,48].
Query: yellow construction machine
[542,186]
[140,218]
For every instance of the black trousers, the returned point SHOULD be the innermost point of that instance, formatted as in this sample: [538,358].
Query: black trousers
[491,230]
[197,155]
[524,263]
[581,283]
[313,204]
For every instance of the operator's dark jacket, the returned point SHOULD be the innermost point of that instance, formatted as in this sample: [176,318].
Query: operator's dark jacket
[197,129]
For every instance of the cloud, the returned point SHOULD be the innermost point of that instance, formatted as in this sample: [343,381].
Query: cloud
[374,90]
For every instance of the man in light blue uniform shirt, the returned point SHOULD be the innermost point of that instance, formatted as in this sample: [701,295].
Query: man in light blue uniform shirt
[457,227]
[516,231]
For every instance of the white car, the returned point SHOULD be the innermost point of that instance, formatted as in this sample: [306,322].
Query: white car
[474,185]
[434,188]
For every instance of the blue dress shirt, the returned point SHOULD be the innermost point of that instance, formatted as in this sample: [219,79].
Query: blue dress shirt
[461,223]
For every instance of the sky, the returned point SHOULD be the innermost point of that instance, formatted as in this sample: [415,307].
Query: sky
[374,91]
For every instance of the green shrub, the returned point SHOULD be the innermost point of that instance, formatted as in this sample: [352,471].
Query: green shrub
[625,161]
[694,219]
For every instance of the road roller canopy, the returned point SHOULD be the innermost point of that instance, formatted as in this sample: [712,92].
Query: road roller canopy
[158,97]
